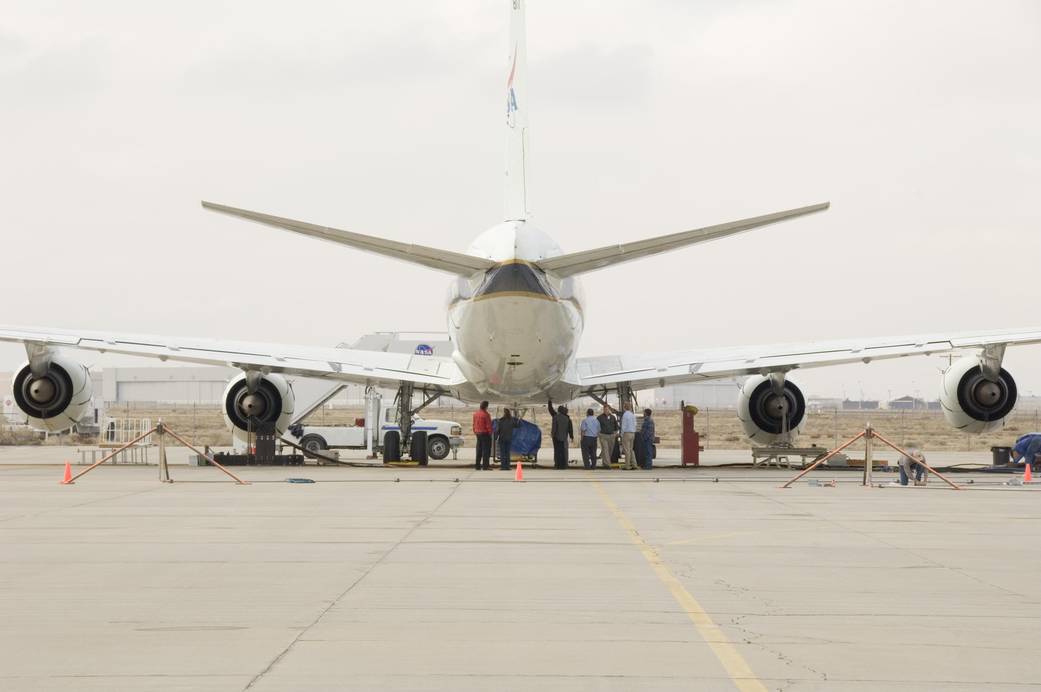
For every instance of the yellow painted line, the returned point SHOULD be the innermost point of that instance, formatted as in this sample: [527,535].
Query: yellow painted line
[735,665]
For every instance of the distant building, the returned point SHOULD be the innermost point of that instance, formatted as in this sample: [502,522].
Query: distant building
[817,403]
[860,405]
[910,403]
[710,394]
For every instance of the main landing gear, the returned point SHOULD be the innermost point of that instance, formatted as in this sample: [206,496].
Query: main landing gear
[402,439]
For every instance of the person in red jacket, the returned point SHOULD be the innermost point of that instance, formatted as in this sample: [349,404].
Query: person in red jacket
[483,431]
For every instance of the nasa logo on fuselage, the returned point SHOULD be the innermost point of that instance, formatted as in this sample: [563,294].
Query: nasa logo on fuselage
[424,350]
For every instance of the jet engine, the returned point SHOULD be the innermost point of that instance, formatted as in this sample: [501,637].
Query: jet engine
[270,399]
[973,402]
[57,396]
[766,414]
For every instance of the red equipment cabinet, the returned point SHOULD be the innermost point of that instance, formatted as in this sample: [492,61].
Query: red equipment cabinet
[689,438]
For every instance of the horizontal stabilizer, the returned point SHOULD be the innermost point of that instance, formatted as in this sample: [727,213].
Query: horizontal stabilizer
[590,260]
[442,260]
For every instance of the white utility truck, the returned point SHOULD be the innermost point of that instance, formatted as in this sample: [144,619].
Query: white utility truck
[443,436]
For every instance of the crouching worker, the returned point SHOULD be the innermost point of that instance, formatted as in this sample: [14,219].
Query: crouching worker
[910,468]
[1027,449]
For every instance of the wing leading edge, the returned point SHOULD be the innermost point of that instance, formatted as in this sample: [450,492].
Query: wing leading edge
[678,367]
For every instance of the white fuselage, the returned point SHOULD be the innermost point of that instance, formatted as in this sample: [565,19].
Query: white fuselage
[515,328]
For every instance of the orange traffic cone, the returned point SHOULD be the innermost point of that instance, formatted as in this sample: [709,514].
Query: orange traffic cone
[68,474]
[1028,474]
[519,476]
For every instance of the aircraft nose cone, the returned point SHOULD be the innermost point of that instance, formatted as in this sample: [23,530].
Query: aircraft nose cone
[253,405]
[41,391]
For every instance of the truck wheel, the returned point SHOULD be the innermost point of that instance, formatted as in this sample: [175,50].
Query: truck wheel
[418,452]
[391,447]
[314,444]
[438,448]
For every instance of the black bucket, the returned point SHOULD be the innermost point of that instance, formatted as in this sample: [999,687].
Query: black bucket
[1001,456]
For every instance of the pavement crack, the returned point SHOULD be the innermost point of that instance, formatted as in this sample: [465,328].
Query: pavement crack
[350,587]
[753,638]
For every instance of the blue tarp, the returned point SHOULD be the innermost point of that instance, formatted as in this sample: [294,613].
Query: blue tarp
[527,438]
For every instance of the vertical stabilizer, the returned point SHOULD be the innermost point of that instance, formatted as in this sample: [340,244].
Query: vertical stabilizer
[517,117]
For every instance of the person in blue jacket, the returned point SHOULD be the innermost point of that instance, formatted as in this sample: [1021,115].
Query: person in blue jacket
[1027,449]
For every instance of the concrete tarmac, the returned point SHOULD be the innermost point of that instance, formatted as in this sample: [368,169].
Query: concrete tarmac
[451,579]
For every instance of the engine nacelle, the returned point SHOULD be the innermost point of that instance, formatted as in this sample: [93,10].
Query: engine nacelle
[272,402]
[973,403]
[56,400]
[762,412]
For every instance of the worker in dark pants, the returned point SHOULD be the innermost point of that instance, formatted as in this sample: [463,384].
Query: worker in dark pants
[482,425]
[590,429]
[504,430]
[561,431]
[647,439]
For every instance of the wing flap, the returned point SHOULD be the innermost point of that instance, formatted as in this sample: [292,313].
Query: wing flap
[434,258]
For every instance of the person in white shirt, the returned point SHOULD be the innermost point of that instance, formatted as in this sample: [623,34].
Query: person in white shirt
[628,435]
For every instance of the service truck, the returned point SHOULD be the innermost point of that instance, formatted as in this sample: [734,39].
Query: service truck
[443,436]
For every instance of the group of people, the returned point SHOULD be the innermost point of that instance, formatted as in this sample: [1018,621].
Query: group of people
[483,430]
[600,434]
[598,437]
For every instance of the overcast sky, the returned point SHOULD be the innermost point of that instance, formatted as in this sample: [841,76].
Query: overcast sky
[917,120]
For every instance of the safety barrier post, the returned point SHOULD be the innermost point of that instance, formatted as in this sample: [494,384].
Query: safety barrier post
[206,457]
[824,458]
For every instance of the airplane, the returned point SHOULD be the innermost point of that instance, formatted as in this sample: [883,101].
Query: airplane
[514,318]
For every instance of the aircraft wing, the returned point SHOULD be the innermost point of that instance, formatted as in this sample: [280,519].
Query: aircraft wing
[376,368]
[646,370]
[610,255]
[443,260]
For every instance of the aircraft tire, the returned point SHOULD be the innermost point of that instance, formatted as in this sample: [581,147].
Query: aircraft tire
[391,447]
[418,451]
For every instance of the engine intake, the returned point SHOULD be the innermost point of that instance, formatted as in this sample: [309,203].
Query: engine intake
[56,400]
[273,401]
[764,414]
[971,401]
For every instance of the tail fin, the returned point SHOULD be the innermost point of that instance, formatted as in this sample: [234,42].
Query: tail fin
[517,118]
